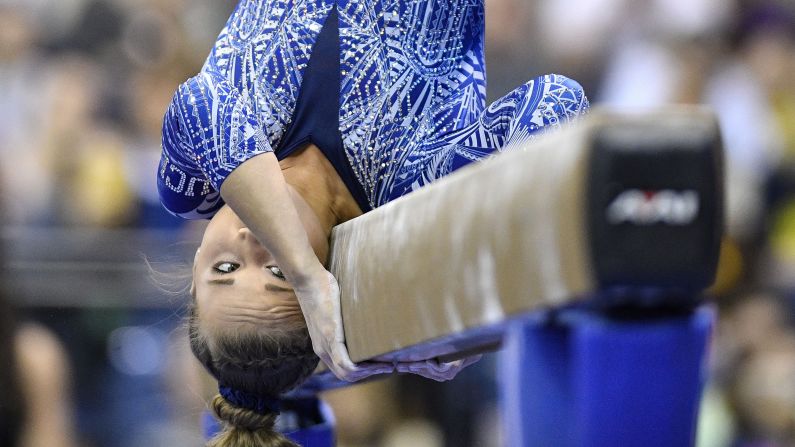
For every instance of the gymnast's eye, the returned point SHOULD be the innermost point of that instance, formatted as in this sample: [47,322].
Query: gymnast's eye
[226,267]
[277,272]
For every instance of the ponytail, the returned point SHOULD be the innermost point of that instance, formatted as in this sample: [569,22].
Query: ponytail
[246,428]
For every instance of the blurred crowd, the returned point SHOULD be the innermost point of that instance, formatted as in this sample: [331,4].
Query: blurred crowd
[85,84]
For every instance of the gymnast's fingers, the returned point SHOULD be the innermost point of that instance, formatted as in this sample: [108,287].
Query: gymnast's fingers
[472,359]
[430,369]
[458,365]
[447,370]
[435,370]
[343,367]
[365,370]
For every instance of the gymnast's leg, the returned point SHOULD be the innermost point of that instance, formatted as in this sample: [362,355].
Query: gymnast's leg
[542,104]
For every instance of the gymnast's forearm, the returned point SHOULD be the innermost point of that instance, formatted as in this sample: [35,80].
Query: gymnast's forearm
[258,193]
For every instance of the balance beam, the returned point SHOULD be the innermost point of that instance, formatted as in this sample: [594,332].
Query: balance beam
[618,201]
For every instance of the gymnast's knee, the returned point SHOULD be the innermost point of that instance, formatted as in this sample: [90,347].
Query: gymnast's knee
[565,95]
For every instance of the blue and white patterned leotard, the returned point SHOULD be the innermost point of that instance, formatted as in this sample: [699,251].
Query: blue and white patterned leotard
[406,84]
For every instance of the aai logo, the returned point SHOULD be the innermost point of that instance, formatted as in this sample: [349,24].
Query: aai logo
[648,207]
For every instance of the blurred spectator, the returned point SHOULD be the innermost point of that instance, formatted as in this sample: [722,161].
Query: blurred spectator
[754,374]
[36,402]
[749,91]
[22,75]
[45,379]
[37,408]
[12,402]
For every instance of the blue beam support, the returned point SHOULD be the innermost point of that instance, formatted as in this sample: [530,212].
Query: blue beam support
[589,379]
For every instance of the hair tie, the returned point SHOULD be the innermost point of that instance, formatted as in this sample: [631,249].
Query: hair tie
[250,401]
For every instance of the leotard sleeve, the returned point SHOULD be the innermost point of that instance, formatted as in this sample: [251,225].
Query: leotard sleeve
[209,130]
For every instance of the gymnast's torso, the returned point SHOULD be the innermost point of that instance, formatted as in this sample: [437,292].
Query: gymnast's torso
[392,92]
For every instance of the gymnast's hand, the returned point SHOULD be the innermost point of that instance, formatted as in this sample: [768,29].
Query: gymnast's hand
[321,306]
[320,303]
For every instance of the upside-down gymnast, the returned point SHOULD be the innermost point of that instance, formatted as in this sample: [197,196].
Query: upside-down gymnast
[308,113]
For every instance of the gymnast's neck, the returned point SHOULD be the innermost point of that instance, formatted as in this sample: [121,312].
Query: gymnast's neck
[320,196]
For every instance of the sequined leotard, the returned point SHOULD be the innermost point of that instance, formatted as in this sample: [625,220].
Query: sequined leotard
[392,92]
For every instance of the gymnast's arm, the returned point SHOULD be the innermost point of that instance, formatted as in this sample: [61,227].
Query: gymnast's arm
[257,192]
[273,218]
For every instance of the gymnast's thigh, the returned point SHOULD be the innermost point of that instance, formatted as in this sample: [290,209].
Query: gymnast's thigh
[540,105]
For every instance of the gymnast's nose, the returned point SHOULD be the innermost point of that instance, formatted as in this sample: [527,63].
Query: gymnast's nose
[245,233]
[252,246]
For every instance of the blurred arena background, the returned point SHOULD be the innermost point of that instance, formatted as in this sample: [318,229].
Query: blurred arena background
[84,84]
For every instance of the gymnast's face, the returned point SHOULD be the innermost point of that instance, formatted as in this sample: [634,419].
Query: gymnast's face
[236,282]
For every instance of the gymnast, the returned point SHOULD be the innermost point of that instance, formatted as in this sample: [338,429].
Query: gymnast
[306,114]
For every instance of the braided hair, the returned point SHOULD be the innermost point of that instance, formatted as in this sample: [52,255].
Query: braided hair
[263,364]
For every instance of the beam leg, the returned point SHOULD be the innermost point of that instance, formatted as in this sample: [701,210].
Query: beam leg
[593,380]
